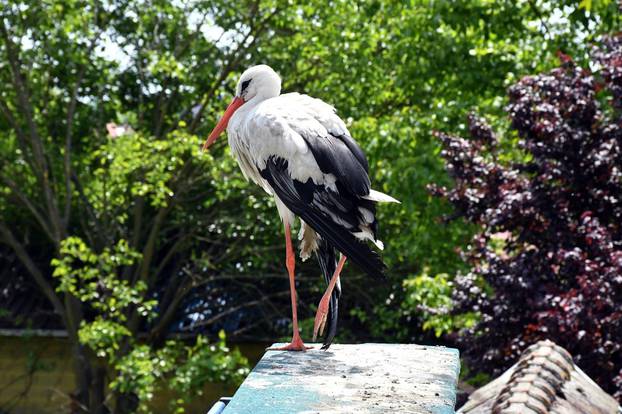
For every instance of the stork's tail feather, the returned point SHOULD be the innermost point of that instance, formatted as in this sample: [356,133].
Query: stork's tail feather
[380,197]
[327,258]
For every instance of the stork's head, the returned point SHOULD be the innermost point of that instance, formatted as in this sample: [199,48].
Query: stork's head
[260,81]
[257,83]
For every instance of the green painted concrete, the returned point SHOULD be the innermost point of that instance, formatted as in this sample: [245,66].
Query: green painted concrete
[365,378]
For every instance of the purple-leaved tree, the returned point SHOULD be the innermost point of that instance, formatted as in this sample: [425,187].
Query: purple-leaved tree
[547,262]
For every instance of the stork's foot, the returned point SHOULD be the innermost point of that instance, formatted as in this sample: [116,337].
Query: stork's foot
[320,317]
[295,345]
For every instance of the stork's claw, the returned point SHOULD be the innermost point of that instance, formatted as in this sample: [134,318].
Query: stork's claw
[320,317]
[295,345]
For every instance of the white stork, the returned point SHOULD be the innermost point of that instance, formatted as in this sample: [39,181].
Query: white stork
[300,152]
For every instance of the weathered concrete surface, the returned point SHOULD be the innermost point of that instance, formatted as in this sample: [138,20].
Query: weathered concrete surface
[366,378]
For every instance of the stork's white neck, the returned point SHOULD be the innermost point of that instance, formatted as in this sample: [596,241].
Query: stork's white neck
[242,113]
[256,100]
[244,110]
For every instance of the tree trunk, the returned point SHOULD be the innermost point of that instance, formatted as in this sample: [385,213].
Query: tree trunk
[98,391]
[83,374]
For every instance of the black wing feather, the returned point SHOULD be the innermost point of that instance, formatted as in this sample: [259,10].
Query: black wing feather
[354,149]
[311,202]
[342,157]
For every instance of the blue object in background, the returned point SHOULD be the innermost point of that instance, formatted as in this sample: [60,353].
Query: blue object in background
[219,407]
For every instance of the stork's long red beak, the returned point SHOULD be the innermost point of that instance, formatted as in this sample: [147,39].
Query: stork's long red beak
[222,124]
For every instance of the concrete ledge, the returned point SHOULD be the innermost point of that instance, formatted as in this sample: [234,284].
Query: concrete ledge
[365,378]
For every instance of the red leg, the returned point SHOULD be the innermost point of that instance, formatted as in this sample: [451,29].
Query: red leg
[322,309]
[290,261]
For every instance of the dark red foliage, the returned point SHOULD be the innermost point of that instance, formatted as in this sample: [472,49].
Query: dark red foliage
[548,261]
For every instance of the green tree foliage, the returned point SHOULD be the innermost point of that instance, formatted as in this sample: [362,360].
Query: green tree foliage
[208,246]
[94,280]
[399,72]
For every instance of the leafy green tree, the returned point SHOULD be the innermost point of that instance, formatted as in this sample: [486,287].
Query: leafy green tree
[397,71]
[142,368]
[209,248]
[62,177]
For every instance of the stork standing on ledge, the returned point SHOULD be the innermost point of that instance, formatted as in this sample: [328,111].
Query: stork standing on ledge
[300,152]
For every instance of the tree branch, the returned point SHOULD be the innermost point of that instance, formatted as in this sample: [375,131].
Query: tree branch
[235,309]
[68,138]
[538,13]
[169,255]
[31,267]
[4,109]
[40,167]
[170,311]
[21,135]
[22,92]
[69,121]
[233,62]
[31,207]
[89,207]
[149,250]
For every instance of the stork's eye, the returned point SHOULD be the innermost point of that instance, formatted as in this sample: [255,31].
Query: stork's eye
[245,84]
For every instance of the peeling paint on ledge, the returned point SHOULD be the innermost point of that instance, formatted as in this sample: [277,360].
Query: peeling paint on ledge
[365,378]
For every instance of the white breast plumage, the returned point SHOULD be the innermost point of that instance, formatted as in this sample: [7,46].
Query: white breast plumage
[240,145]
